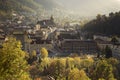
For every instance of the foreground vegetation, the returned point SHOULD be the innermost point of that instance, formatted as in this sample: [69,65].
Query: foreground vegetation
[78,69]
[14,66]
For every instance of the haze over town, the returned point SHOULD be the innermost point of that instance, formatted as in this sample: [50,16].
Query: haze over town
[90,7]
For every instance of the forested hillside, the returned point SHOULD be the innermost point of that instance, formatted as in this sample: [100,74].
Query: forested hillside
[7,6]
[28,6]
[109,25]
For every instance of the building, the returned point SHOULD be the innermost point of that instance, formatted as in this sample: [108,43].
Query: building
[21,34]
[102,37]
[78,46]
[102,44]
[47,23]
[116,52]
[68,35]
[2,39]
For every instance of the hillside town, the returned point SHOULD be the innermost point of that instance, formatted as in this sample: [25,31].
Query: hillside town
[59,40]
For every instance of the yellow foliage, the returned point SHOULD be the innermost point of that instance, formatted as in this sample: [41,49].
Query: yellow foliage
[13,65]
[44,52]
[90,59]
[33,53]
[45,62]
[77,60]
[77,74]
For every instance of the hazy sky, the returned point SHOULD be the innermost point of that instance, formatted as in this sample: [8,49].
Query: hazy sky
[91,7]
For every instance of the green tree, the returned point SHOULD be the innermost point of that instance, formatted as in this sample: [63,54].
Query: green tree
[13,65]
[44,53]
[115,64]
[103,70]
[108,52]
[114,40]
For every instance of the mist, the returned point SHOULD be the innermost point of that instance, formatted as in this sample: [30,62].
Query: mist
[91,7]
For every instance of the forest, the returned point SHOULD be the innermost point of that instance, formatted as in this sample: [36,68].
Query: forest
[103,24]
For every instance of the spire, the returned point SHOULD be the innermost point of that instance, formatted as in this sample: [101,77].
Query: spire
[51,18]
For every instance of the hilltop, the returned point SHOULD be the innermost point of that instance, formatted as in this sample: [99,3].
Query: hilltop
[109,25]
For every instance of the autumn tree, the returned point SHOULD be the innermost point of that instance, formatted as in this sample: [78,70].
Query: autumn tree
[45,63]
[57,69]
[33,57]
[44,53]
[77,74]
[13,65]
[115,64]
[86,63]
[103,71]
[33,53]
[69,65]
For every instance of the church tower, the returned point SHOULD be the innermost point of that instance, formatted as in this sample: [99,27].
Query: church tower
[51,18]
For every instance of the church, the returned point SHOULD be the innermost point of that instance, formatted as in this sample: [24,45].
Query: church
[47,23]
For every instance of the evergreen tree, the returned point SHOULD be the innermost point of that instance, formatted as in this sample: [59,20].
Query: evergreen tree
[114,40]
[108,52]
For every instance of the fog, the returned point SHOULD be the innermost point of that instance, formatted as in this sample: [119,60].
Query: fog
[90,7]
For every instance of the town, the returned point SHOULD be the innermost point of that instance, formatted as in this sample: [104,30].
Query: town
[59,40]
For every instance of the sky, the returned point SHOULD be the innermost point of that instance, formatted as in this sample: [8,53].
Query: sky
[91,7]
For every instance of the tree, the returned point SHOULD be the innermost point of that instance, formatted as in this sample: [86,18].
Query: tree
[108,52]
[45,62]
[114,40]
[115,64]
[33,57]
[57,69]
[13,65]
[70,63]
[44,52]
[77,74]
[103,71]
[105,25]
[86,63]
[33,54]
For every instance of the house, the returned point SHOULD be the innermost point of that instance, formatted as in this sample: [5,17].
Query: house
[116,51]
[68,35]
[102,37]
[2,36]
[38,44]
[2,39]
[102,44]
[20,33]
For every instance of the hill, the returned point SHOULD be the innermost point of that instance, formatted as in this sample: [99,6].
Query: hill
[7,6]
[49,4]
[109,25]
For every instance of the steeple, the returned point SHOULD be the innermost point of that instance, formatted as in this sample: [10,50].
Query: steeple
[51,18]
